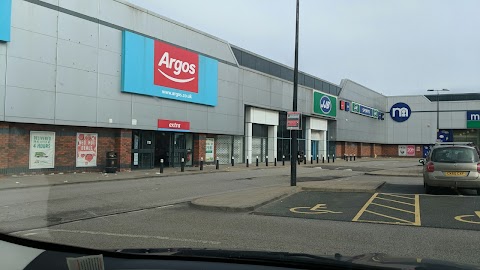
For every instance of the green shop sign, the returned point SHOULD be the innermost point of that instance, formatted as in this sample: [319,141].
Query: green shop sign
[324,104]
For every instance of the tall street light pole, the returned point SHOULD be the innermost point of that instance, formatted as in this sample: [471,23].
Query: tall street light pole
[294,142]
[438,107]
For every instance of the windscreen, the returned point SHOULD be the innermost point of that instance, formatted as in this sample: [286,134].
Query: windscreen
[455,155]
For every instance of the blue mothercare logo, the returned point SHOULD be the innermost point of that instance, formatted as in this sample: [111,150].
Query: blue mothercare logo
[400,112]
[325,104]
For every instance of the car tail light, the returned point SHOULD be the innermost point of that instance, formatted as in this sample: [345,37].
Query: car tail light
[431,167]
[478,167]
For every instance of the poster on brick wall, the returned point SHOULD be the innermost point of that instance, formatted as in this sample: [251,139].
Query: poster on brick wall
[209,147]
[42,150]
[87,149]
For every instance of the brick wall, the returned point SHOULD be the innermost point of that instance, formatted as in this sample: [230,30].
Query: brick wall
[198,148]
[15,144]
[377,150]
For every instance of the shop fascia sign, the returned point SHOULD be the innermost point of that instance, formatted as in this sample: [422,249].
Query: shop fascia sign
[155,68]
[324,104]
[473,119]
[5,19]
[366,111]
[173,125]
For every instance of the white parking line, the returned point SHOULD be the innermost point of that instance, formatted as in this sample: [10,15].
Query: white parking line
[165,238]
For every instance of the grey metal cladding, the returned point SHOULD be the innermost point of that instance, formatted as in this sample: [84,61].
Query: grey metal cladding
[29,103]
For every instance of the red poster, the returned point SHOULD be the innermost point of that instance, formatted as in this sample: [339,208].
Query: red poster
[411,150]
[87,149]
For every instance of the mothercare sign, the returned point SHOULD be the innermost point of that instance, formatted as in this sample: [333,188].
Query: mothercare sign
[42,150]
[87,149]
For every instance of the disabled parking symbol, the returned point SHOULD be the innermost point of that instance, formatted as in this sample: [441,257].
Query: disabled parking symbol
[474,219]
[316,210]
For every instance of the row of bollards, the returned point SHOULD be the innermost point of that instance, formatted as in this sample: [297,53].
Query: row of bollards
[299,159]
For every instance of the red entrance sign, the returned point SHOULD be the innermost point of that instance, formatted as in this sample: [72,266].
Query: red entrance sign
[173,124]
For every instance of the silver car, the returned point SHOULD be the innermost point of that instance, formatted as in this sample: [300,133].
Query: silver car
[451,166]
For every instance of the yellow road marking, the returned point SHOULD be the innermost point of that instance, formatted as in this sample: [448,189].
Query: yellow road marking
[371,201]
[394,208]
[319,206]
[364,207]
[462,218]
[418,221]
[398,196]
[394,218]
[316,210]
[411,204]
[385,222]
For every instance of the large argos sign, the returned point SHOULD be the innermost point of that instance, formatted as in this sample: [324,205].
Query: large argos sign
[154,68]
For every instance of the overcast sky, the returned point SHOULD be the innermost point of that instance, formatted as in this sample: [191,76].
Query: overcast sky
[393,47]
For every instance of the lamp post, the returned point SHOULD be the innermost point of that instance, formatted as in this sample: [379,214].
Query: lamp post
[438,106]
[294,142]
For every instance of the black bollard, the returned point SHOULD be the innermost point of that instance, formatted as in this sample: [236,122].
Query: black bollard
[161,165]
[328,159]
[217,165]
[304,159]
[298,159]
[266,161]
[201,164]
[323,159]
[317,159]
[256,163]
[346,159]
[333,158]
[182,165]
[275,162]
[350,157]
[247,163]
[311,159]
[354,157]
[283,160]
[233,161]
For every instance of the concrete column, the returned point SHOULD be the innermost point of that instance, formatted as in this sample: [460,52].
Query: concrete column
[308,139]
[272,142]
[248,142]
[323,143]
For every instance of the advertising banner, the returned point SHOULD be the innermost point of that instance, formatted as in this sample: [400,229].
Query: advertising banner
[324,104]
[402,150]
[42,150]
[87,149]
[154,68]
[209,147]
[410,150]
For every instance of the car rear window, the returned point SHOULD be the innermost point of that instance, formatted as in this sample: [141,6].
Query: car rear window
[455,155]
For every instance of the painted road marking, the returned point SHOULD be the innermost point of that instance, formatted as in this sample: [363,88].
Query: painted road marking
[463,218]
[320,208]
[389,208]
[157,237]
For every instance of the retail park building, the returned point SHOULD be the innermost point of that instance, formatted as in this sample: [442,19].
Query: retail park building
[81,78]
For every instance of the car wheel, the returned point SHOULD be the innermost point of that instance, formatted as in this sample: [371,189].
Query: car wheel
[428,189]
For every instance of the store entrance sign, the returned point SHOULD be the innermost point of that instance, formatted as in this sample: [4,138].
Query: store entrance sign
[324,104]
[473,119]
[154,68]
[400,112]
[294,121]
[5,19]
[173,125]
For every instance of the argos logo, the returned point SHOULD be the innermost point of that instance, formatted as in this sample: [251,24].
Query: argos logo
[175,68]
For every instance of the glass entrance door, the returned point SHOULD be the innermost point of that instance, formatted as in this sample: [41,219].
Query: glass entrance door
[181,148]
[143,149]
